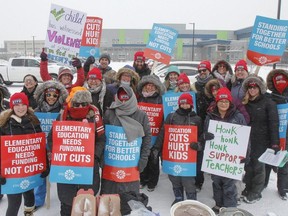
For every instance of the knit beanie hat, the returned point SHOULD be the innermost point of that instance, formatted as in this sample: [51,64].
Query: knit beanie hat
[224,93]
[172,69]
[183,78]
[205,65]
[73,92]
[122,94]
[105,55]
[241,64]
[185,98]
[139,56]
[280,82]
[95,73]
[18,98]
[64,70]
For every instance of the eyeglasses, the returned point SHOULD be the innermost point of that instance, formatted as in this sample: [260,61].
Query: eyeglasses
[203,70]
[252,87]
[222,65]
[52,95]
[80,104]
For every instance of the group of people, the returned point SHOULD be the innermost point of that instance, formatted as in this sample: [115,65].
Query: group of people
[105,97]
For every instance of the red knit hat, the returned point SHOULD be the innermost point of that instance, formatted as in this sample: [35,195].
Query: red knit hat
[241,64]
[122,95]
[183,78]
[205,65]
[223,93]
[95,73]
[185,98]
[139,56]
[18,98]
[280,82]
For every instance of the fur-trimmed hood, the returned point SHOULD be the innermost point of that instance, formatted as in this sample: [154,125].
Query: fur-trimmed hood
[134,75]
[228,66]
[269,78]
[39,92]
[209,84]
[258,80]
[151,79]
[6,114]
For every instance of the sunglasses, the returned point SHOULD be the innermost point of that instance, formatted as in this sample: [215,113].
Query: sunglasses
[80,104]
[252,87]
[52,95]
[203,70]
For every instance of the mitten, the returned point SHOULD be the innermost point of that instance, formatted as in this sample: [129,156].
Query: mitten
[90,60]
[76,63]
[207,136]
[196,146]
[45,173]
[2,180]
[276,148]
[43,56]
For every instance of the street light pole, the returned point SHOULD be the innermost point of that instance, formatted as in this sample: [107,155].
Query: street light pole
[33,46]
[278,17]
[193,37]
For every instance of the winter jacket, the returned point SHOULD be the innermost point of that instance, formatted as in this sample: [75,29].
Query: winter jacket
[237,89]
[30,95]
[227,79]
[143,72]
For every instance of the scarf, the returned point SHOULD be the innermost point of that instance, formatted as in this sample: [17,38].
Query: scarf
[148,94]
[45,107]
[102,90]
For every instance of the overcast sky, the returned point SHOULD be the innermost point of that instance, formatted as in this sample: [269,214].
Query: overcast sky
[30,17]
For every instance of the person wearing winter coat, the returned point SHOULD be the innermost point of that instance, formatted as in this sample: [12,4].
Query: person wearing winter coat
[150,90]
[277,83]
[224,189]
[50,96]
[264,123]
[30,85]
[17,120]
[241,72]
[184,115]
[125,112]
[171,77]
[223,71]
[102,97]
[65,75]
[79,108]
[139,64]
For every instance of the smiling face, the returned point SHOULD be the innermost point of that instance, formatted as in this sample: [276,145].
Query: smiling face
[29,83]
[222,68]
[173,76]
[203,73]
[184,87]
[223,105]
[51,97]
[104,62]
[93,83]
[66,79]
[241,73]
[149,87]
[20,110]
[253,91]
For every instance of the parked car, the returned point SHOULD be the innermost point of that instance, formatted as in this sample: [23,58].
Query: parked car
[188,67]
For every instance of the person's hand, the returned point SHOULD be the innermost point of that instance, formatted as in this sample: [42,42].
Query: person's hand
[196,146]
[2,180]
[45,173]
[76,63]
[207,136]
[90,60]
[43,56]
[243,160]
[276,148]
[155,155]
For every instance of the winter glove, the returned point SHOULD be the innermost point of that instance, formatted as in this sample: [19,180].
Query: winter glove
[243,160]
[76,63]
[43,56]
[2,180]
[90,60]
[141,165]
[196,146]
[276,148]
[154,155]
[45,173]
[207,136]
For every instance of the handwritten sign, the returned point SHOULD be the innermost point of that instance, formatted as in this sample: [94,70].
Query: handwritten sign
[64,33]
[178,158]
[268,40]
[23,158]
[73,152]
[121,158]
[222,155]
[283,121]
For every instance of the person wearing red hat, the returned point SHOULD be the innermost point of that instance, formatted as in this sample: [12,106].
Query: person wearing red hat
[102,97]
[18,120]
[140,65]
[183,83]
[277,83]
[241,72]
[224,189]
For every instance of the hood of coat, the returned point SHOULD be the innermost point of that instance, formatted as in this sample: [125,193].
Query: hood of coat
[256,79]
[269,78]
[228,66]
[208,86]
[151,79]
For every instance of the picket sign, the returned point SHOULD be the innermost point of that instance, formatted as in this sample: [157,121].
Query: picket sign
[155,63]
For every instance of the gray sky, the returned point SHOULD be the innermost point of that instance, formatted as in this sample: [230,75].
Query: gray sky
[30,17]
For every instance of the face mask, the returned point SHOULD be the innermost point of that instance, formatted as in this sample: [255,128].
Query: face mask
[125,83]
[148,94]
[79,112]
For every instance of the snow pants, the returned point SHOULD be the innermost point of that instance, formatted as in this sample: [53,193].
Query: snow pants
[14,202]
[150,174]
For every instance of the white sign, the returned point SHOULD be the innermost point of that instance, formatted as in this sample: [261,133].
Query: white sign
[222,155]
[64,33]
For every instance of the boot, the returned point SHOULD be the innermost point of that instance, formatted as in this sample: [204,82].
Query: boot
[191,196]
[179,196]
[28,211]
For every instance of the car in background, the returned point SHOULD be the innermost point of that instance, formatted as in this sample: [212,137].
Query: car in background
[188,67]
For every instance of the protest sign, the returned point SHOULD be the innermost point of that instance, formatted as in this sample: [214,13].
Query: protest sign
[46,120]
[283,121]
[178,158]
[73,152]
[91,37]
[170,101]
[268,40]
[222,155]
[161,43]
[155,117]
[121,158]
[23,158]
[64,33]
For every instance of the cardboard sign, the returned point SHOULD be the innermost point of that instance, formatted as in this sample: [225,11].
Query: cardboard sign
[283,121]
[91,37]
[178,158]
[170,101]
[23,158]
[161,43]
[73,152]
[121,158]
[64,33]
[222,155]
[268,40]
[155,116]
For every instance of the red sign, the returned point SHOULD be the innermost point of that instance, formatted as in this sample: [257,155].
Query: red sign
[176,145]
[73,144]
[92,32]
[120,174]
[23,155]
